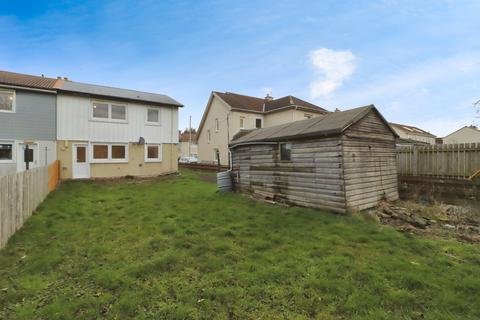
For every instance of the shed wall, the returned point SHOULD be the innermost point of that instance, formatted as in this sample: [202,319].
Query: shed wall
[313,178]
[369,163]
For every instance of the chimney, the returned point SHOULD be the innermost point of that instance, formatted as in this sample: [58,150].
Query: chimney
[59,78]
[291,99]
[268,97]
[337,110]
[65,78]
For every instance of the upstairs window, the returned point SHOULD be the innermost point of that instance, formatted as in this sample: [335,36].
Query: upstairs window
[285,151]
[258,123]
[6,152]
[7,101]
[153,116]
[217,125]
[109,112]
[209,136]
[242,122]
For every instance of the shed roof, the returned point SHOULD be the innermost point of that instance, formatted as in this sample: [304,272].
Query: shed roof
[325,125]
[26,80]
[104,91]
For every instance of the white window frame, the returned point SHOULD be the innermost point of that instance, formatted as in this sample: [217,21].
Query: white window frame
[217,125]
[109,118]
[109,153]
[14,103]
[150,123]
[160,152]
[13,160]
[261,126]
[242,122]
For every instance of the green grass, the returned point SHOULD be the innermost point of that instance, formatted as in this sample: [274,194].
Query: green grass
[175,249]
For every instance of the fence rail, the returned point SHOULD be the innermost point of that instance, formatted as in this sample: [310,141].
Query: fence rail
[20,194]
[453,161]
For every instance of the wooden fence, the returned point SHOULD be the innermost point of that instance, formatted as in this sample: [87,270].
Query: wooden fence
[450,161]
[20,194]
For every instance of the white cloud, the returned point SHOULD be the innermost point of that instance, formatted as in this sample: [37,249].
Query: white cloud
[332,67]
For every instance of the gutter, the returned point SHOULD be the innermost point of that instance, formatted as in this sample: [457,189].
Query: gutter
[28,88]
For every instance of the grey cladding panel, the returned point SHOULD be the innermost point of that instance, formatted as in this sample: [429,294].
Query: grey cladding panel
[35,117]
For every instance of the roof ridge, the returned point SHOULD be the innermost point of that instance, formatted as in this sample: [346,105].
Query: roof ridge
[28,75]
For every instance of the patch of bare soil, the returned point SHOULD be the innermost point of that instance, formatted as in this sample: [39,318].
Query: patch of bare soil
[208,177]
[444,220]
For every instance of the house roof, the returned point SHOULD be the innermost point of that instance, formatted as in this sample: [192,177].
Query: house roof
[254,104]
[474,128]
[112,92]
[28,81]
[332,123]
[411,130]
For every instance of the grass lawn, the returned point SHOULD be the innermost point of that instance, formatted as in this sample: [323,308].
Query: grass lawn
[173,248]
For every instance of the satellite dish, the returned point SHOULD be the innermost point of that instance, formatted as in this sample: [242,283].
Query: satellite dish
[141,140]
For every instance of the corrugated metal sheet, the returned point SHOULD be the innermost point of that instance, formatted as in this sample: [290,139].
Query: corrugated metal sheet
[104,91]
[25,80]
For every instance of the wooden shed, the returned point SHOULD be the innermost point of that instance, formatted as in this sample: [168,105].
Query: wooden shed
[341,161]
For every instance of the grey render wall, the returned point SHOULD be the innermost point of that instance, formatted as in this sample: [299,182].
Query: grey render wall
[35,117]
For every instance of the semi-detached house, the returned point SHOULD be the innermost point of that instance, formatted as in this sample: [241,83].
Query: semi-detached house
[102,132]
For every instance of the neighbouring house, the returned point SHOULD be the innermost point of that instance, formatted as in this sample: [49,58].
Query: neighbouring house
[467,134]
[27,119]
[410,135]
[227,113]
[187,144]
[110,132]
[339,161]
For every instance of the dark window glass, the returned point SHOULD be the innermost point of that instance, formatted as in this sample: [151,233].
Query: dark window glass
[258,123]
[152,152]
[118,152]
[81,154]
[100,110]
[119,112]
[6,101]
[285,151]
[100,152]
[152,115]
[6,152]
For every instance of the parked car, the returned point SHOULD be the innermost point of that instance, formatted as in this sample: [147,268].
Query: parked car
[192,159]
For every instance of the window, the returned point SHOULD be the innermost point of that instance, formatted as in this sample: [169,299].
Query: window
[100,110]
[285,151]
[110,153]
[217,125]
[6,152]
[242,122]
[258,123]
[107,111]
[153,116]
[100,152]
[153,153]
[119,152]
[307,115]
[7,101]
[209,136]
[216,155]
[119,112]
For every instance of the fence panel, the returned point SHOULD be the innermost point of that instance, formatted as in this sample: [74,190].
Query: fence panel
[457,161]
[20,194]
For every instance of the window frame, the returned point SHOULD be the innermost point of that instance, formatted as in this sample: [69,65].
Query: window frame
[242,122]
[261,123]
[280,151]
[109,118]
[13,160]
[109,158]
[150,123]
[160,152]
[14,103]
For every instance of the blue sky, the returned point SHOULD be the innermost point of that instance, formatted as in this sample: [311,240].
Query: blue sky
[417,61]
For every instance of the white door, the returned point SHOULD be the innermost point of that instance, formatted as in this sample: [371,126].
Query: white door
[81,167]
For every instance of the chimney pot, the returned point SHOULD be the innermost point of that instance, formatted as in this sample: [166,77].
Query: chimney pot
[268,97]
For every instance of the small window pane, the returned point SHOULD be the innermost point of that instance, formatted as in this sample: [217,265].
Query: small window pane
[217,125]
[119,112]
[6,101]
[6,152]
[81,154]
[100,110]
[100,152]
[285,151]
[242,122]
[152,152]
[152,115]
[118,152]
[258,123]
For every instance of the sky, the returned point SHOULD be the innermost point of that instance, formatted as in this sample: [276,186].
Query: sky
[417,61]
